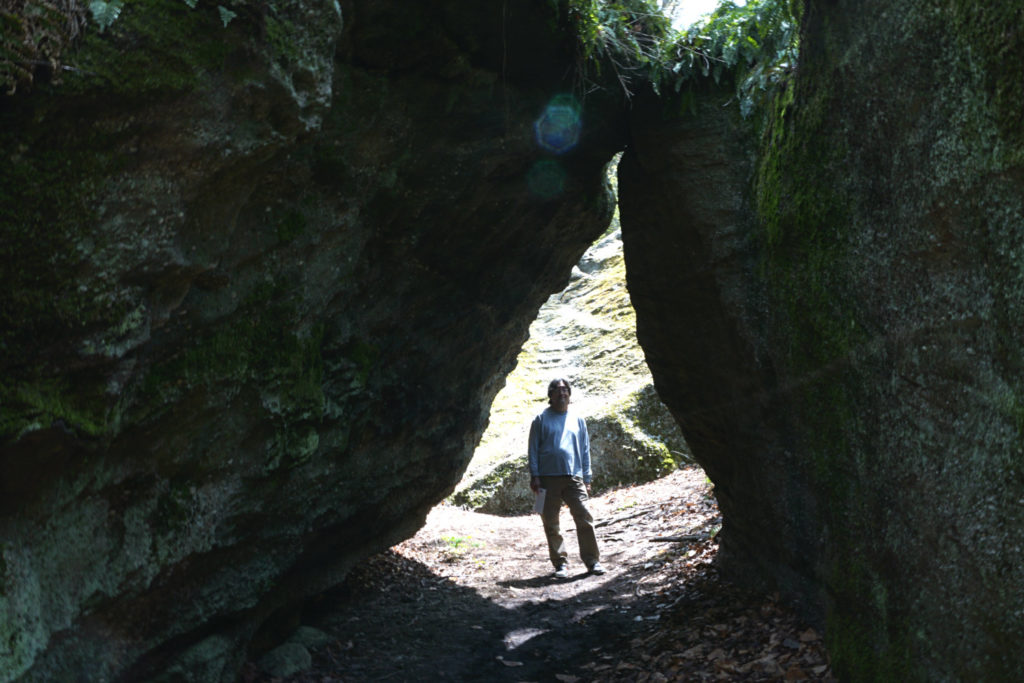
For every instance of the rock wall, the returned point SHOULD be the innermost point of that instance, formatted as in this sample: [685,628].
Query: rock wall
[265,268]
[263,275]
[830,300]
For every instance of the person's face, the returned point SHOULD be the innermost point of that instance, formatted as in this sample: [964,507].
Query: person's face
[559,397]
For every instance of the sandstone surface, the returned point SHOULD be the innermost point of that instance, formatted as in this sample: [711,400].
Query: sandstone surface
[262,278]
[830,300]
[265,268]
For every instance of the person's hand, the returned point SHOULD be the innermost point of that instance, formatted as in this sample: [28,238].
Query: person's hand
[535,484]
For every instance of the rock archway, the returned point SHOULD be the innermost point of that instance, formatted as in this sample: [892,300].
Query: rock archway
[265,272]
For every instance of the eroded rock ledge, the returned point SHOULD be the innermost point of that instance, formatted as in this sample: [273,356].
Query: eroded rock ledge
[262,282]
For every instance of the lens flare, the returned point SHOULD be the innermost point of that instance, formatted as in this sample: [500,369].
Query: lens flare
[546,179]
[558,128]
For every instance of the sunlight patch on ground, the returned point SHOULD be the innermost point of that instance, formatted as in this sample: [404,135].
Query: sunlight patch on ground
[514,639]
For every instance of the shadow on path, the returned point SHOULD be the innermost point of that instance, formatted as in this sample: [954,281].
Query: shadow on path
[473,598]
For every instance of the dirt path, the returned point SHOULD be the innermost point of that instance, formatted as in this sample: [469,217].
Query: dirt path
[472,598]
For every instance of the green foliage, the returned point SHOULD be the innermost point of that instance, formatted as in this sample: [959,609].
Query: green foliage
[34,34]
[105,13]
[627,35]
[226,15]
[456,547]
[756,44]
[630,35]
[461,542]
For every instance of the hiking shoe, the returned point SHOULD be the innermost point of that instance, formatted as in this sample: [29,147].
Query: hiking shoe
[596,568]
[562,572]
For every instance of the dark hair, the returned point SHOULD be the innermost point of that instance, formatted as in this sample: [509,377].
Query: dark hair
[554,385]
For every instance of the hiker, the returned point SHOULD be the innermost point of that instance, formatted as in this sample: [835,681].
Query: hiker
[559,455]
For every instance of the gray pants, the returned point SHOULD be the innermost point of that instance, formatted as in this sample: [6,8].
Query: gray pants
[572,491]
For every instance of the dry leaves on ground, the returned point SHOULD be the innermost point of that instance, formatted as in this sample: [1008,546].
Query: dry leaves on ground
[471,598]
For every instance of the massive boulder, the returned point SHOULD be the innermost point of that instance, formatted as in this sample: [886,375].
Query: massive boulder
[264,267]
[831,299]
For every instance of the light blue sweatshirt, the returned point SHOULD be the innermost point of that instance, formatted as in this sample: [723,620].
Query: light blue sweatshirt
[559,445]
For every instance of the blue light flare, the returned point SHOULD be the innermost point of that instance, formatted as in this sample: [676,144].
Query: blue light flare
[558,128]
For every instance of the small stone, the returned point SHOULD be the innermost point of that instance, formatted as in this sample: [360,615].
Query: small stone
[286,660]
[310,637]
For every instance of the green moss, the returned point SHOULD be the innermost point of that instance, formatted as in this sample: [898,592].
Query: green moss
[990,33]
[871,640]
[290,226]
[280,35]
[483,489]
[291,446]
[365,356]
[259,345]
[48,192]
[172,512]
[50,188]
[804,207]
[154,46]
[42,402]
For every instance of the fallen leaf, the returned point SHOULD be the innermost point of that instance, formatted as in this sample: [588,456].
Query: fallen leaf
[795,673]
[508,662]
[717,653]
[809,636]
[726,665]
[567,678]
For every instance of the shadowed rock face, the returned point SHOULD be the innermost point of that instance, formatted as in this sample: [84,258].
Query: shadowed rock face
[261,284]
[262,280]
[830,300]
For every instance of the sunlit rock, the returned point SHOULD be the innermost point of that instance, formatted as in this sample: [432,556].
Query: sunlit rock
[586,334]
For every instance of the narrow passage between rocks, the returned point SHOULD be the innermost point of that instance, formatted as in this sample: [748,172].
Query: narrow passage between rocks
[471,597]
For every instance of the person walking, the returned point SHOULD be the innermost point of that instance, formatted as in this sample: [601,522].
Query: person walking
[559,457]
